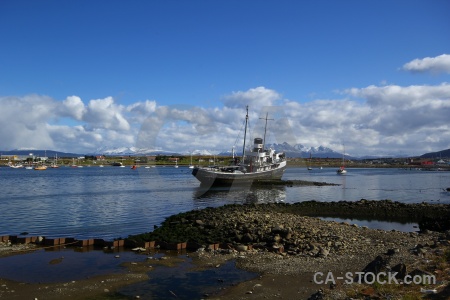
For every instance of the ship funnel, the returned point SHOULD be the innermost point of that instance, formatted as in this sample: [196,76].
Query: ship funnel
[257,144]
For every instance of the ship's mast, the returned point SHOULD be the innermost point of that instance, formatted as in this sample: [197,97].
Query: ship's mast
[245,135]
[265,130]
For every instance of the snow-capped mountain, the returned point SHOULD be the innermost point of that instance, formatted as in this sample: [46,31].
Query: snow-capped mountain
[130,151]
[297,150]
[300,150]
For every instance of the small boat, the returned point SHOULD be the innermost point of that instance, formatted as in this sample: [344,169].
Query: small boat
[55,165]
[74,165]
[342,170]
[191,166]
[40,168]
[258,164]
[133,167]
[17,166]
[176,163]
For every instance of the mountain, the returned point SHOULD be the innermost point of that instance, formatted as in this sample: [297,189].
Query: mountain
[438,154]
[131,151]
[295,151]
[300,151]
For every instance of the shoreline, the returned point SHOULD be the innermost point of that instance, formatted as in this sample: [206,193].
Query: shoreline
[285,245]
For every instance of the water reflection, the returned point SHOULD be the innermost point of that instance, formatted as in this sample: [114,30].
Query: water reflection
[241,194]
[378,224]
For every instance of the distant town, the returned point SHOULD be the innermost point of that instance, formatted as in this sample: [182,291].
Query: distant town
[205,160]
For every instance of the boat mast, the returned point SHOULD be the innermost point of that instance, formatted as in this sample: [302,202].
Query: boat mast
[245,135]
[265,130]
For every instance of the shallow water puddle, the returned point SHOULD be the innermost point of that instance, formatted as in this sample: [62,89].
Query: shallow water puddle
[183,282]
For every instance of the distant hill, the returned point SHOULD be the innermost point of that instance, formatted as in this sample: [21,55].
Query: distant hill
[300,151]
[438,154]
[295,151]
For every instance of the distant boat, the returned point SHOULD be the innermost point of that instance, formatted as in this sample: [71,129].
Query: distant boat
[101,166]
[342,170]
[40,168]
[133,167]
[16,166]
[54,165]
[191,166]
[258,164]
[74,165]
[310,157]
[176,162]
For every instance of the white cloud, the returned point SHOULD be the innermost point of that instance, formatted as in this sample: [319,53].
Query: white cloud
[23,122]
[377,120]
[438,64]
[73,107]
[256,97]
[104,113]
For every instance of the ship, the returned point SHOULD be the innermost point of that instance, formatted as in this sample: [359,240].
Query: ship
[258,164]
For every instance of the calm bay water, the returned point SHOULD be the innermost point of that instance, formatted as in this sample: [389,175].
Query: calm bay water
[113,202]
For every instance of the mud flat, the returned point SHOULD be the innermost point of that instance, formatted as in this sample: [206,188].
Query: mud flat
[287,246]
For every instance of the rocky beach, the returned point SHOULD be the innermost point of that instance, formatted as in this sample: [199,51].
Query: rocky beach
[296,255]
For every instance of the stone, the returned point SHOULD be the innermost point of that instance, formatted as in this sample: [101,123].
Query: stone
[323,252]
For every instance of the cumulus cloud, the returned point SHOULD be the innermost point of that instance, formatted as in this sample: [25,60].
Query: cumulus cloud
[104,113]
[255,97]
[72,107]
[23,122]
[373,120]
[438,64]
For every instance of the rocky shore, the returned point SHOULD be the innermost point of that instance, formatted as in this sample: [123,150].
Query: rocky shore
[279,241]
[287,246]
[262,223]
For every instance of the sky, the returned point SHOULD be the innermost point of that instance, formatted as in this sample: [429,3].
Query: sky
[370,77]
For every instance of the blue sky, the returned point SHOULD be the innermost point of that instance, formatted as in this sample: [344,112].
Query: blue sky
[86,75]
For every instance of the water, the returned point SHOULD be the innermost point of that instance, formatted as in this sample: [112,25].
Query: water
[60,264]
[112,202]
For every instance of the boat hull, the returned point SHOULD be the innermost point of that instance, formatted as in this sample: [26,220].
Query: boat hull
[208,176]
